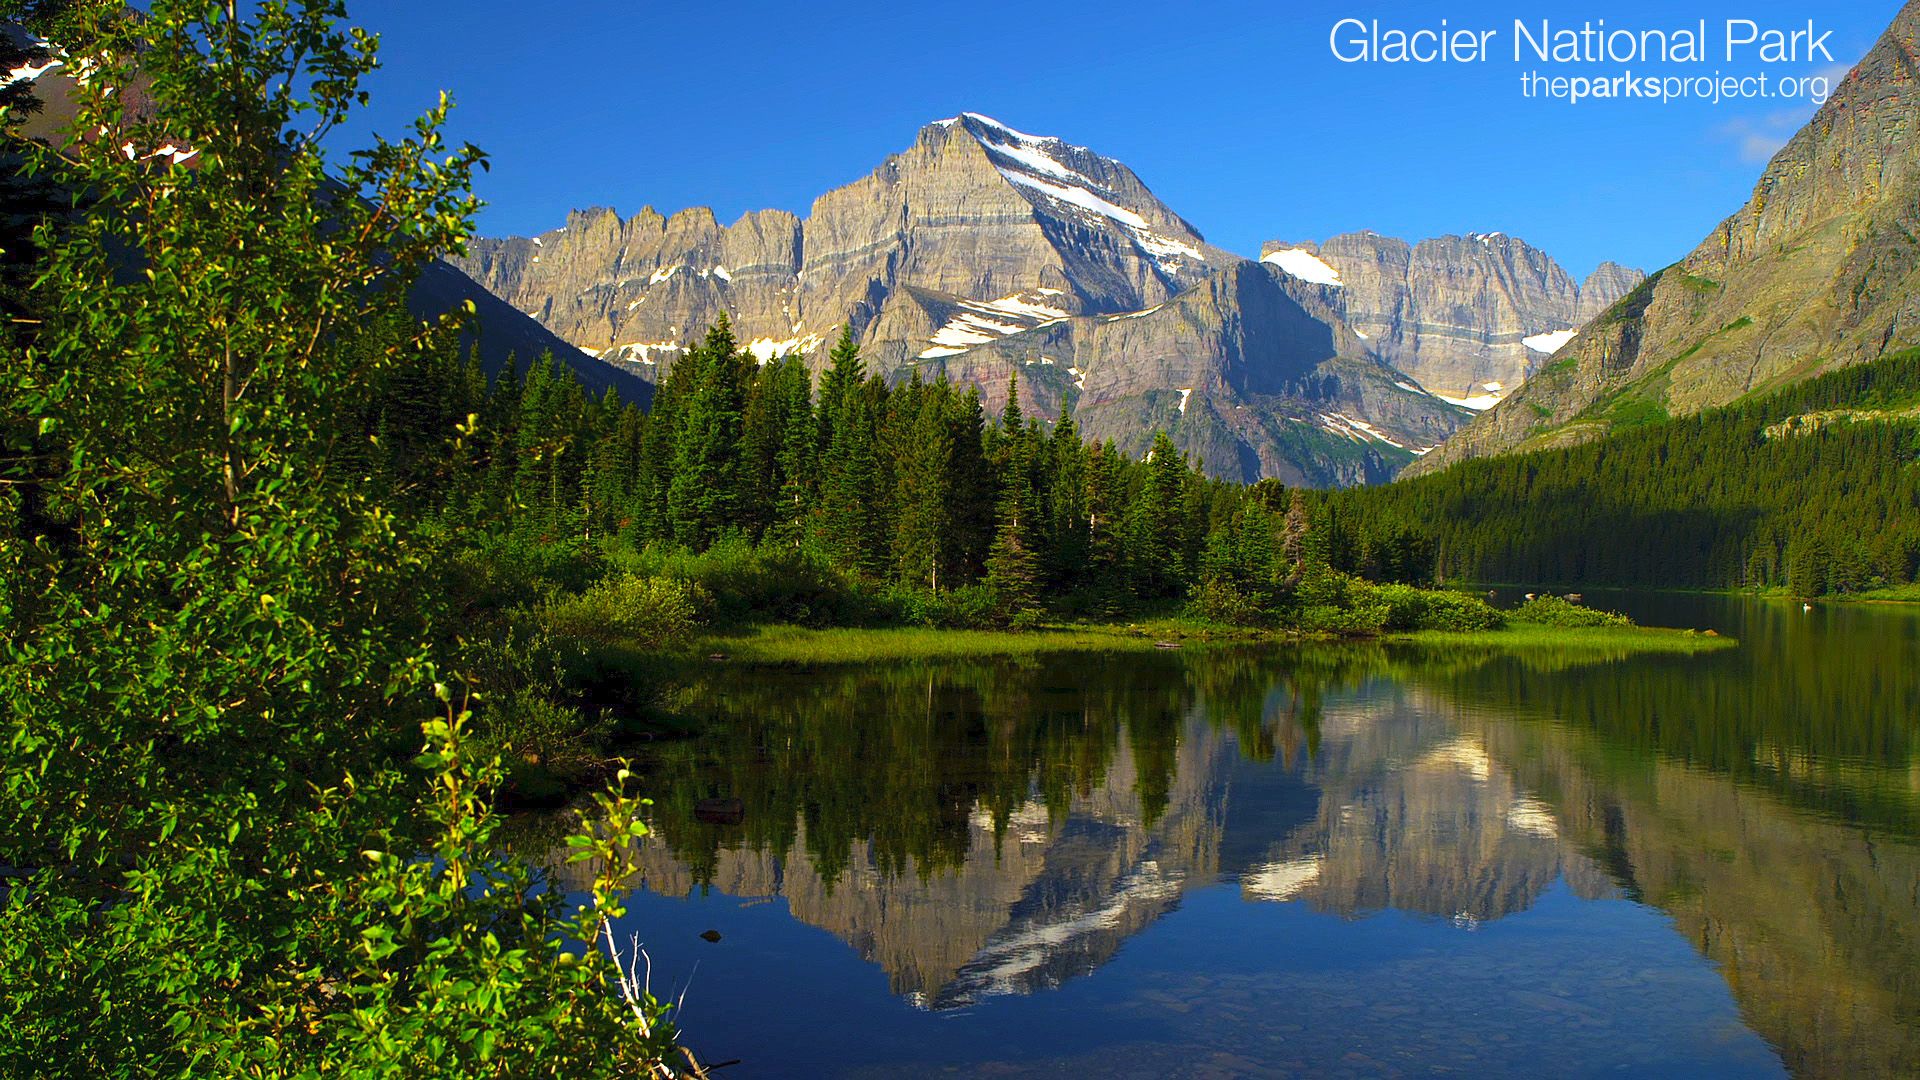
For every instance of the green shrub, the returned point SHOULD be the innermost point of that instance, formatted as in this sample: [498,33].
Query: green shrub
[646,612]
[501,570]
[768,582]
[547,747]
[973,607]
[1428,609]
[1028,619]
[1365,608]
[1558,612]
[1347,621]
[1219,601]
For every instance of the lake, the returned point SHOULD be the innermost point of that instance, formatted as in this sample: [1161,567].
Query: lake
[1351,860]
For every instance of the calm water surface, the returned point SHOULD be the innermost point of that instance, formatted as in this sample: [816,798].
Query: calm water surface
[1364,861]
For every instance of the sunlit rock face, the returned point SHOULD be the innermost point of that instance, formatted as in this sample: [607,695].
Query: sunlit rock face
[1417,817]
[980,253]
[978,829]
[1396,809]
[975,232]
[1819,270]
[1470,317]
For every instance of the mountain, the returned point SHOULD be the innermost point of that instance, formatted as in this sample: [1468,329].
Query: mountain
[1469,317]
[980,252]
[973,213]
[498,330]
[502,332]
[1252,372]
[1819,270]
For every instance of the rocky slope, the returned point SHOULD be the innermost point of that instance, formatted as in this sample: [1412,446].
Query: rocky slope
[1469,317]
[974,219]
[503,334]
[1820,269]
[982,251]
[1252,372]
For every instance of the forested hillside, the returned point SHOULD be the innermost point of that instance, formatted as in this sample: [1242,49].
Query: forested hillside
[903,503]
[1815,488]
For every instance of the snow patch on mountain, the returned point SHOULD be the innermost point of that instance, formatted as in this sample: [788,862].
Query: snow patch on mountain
[1032,162]
[976,323]
[1357,430]
[1478,402]
[1086,199]
[1305,265]
[641,352]
[766,350]
[1550,343]
[1017,304]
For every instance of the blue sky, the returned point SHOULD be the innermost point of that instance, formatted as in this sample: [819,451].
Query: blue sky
[1235,112]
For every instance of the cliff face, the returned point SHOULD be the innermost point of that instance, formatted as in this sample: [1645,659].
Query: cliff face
[1819,270]
[1469,317]
[1025,228]
[1252,372]
[980,252]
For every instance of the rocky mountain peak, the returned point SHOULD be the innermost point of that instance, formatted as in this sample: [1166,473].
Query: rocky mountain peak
[1820,269]
[1470,317]
[981,250]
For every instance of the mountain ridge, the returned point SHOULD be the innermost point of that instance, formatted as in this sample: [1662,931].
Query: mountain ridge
[981,252]
[1818,270]
[1468,316]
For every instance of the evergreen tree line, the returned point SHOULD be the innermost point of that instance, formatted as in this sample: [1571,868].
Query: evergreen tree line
[1765,493]
[910,486]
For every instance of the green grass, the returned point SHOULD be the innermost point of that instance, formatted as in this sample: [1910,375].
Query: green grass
[1638,412]
[1897,594]
[801,646]
[798,645]
[1893,594]
[1610,639]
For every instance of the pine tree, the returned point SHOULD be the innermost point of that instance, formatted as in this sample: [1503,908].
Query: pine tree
[1106,546]
[704,497]
[1158,521]
[500,423]
[1013,566]
[797,457]
[535,446]
[845,372]
[1808,568]
[921,493]
[850,486]
[613,466]
[970,490]
[658,454]
[1066,494]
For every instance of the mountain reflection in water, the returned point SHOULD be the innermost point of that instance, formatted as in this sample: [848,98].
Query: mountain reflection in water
[988,829]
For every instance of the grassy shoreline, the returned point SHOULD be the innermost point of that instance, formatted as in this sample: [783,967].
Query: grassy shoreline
[1520,636]
[1895,594]
[789,645]
[784,643]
